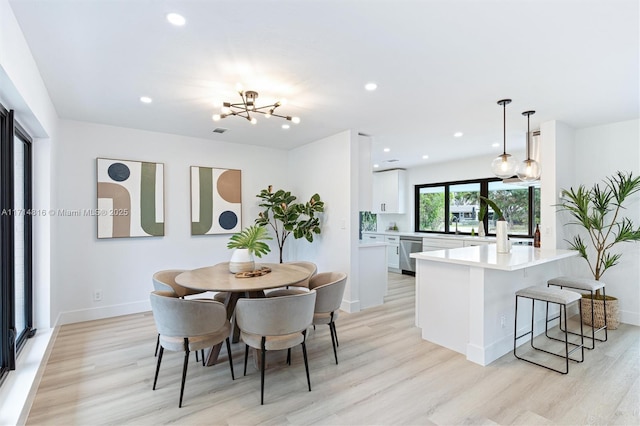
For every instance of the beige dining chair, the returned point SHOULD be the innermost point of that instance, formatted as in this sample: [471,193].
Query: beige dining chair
[302,286]
[188,325]
[329,288]
[275,323]
[166,281]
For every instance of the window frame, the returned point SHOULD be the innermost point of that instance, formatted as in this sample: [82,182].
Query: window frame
[484,191]
[12,340]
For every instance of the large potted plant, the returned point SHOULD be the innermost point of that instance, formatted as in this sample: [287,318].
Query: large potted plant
[598,212]
[248,243]
[285,217]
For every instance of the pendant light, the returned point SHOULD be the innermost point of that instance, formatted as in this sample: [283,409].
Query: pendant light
[529,169]
[504,165]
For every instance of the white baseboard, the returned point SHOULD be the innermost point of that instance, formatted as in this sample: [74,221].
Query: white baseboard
[350,306]
[70,317]
[629,317]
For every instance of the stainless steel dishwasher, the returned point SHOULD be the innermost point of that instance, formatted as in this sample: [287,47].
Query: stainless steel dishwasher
[409,245]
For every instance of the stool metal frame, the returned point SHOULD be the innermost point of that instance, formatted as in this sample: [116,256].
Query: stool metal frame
[593,327]
[563,311]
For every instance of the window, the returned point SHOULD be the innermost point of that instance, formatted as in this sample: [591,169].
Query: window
[16,308]
[520,205]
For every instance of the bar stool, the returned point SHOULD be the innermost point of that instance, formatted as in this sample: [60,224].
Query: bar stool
[549,295]
[591,286]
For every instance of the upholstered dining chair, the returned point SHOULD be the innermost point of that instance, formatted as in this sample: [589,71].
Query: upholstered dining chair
[329,287]
[166,281]
[298,287]
[275,323]
[188,325]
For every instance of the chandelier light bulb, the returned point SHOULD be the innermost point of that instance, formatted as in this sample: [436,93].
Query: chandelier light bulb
[253,120]
[295,120]
[503,166]
[225,110]
[216,117]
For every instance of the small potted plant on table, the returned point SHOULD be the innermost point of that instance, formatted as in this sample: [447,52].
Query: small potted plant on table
[247,243]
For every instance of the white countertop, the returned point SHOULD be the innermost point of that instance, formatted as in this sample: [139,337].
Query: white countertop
[485,256]
[367,244]
[446,236]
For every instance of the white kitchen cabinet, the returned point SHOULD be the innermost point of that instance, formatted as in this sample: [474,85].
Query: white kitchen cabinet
[373,238]
[393,251]
[389,191]
[429,244]
[471,243]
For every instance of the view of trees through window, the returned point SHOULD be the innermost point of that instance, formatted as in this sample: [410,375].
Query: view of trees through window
[519,204]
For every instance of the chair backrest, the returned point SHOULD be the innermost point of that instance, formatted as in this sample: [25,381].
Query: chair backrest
[276,316]
[166,281]
[309,266]
[177,317]
[330,288]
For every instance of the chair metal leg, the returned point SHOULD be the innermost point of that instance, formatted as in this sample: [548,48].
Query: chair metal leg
[185,365]
[335,333]
[333,340]
[155,379]
[157,345]
[306,361]
[289,356]
[230,360]
[263,352]
[246,356]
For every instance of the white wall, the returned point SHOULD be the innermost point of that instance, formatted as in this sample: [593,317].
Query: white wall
[122,268]
[325,167]
[600,152]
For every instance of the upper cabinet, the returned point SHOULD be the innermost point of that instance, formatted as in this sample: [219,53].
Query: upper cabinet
[389,191]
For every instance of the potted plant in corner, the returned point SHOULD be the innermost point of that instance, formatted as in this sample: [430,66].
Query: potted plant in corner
[597,211]
[247,243]
[286,217]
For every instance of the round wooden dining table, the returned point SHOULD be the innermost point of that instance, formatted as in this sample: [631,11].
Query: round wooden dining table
[218,278]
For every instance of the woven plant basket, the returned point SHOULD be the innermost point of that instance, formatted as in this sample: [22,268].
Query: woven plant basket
[613,314]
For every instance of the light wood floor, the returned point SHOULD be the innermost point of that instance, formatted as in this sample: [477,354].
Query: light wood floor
[101,372]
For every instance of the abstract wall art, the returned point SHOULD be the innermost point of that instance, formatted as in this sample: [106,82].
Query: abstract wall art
[216,202]
[130,198]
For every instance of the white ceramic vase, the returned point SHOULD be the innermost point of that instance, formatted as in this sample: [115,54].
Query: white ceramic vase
[241,261]
[502,237]
[481,232]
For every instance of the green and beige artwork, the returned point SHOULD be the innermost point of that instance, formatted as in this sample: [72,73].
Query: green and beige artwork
[130,198]
[216,202]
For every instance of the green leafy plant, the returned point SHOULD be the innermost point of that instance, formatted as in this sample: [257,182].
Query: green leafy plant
[597,211]
[285,217]
[496,210]
[251,238]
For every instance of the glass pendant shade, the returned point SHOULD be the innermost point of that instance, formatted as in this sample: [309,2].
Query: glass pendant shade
[528,170]
[503,166]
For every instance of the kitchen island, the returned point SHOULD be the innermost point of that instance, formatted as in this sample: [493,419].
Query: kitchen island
[465,296]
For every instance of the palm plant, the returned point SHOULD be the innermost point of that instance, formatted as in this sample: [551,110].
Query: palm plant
[598,211]
[251,238]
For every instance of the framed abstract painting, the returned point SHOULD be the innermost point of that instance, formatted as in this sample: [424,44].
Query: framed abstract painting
[216,201]
[130,198]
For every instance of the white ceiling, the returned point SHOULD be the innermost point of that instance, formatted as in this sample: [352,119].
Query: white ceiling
[440,67]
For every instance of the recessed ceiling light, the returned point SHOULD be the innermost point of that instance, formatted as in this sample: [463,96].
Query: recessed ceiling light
[370,86]
[387,149]
[145,99]
[375,166]
[458,134]
[425,157]
[495,145]
[176,19]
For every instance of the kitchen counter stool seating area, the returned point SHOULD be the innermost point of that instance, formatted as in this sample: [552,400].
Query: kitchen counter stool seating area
[562,298]
[188,325]
[591,286]
[275,323]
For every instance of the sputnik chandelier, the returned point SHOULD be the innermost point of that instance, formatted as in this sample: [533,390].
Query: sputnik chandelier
[248,108]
